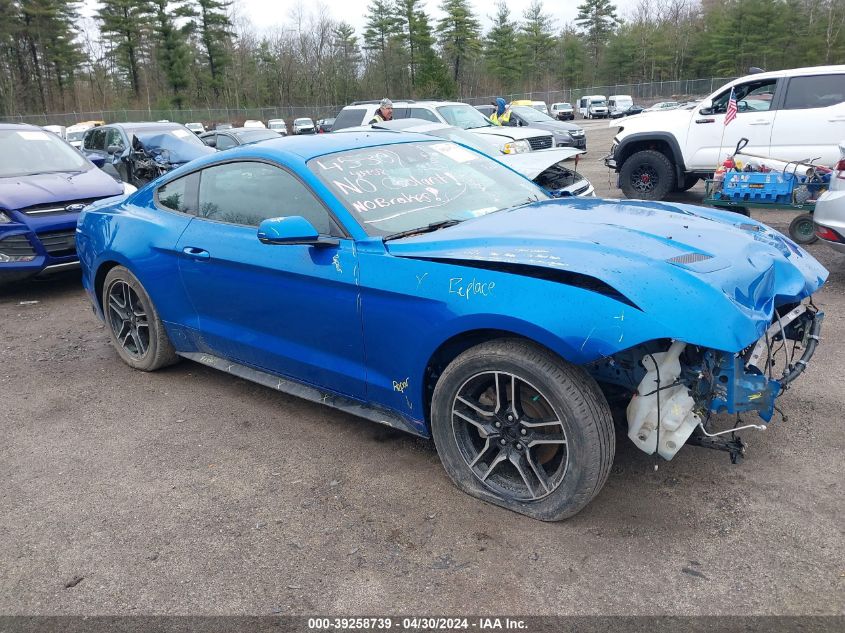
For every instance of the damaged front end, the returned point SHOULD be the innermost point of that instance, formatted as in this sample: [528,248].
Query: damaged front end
[153,154]
[672,389]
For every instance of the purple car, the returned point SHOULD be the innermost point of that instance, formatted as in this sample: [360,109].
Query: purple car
[44,184]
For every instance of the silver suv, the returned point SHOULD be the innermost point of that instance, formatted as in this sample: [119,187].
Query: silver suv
[511,140]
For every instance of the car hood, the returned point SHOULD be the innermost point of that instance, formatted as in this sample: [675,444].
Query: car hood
[655,120]
[172,150]
[553,126]
[516,133]
[711,277]
[532,164]
[25,191]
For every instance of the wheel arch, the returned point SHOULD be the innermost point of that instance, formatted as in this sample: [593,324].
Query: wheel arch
[100,279]
[458,343]
[664,143]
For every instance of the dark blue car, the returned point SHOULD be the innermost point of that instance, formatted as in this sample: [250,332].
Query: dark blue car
[44,184]
[420,284]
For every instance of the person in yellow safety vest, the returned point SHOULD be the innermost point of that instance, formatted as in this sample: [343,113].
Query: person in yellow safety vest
[384,112]
[502,115]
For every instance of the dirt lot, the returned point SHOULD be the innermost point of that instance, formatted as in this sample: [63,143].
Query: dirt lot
[188,491]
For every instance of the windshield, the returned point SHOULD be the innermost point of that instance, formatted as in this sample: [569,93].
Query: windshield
[530,114]
[464,116]
[303,122]
[392,188]
[597,102]
[76,136]
[253,136]
[28,152]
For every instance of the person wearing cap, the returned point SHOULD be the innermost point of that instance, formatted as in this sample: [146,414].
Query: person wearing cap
[384,112]
[502,115]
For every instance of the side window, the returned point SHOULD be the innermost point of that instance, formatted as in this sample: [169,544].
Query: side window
[114,138]
[174,194]
[422,113]
[817,91]
[248,192]
[210,140]
[349,117]
[754,96]
[95,139]
[224,142]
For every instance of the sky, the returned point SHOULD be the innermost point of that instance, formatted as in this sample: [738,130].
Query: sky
[268,14]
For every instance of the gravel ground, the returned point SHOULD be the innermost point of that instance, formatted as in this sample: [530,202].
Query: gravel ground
[189,492]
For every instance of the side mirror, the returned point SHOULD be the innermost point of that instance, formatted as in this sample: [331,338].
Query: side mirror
[292,230]
[114,149]
[705,107]
[211,141]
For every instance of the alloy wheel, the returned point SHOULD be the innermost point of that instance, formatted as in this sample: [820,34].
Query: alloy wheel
[128,319]
[510,436]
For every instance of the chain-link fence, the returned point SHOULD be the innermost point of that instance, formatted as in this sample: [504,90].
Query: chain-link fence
[642,94]
[208,116]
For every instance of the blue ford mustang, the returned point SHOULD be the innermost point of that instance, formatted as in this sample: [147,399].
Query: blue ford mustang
[419,284]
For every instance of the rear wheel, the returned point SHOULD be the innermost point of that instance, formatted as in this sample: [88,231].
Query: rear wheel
[135,329]
[801,229]
[517,426]
[647,175]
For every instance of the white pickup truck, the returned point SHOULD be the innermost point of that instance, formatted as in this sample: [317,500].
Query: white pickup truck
[796,114]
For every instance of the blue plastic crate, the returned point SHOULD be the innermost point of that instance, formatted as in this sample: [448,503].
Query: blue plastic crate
[773,186]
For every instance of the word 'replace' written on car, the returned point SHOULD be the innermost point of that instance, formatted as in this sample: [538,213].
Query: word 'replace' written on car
[421,284]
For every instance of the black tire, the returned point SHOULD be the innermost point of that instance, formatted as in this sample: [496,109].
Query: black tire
[566,414]
[689,183]
[647,175]
[802,230]
[128,311]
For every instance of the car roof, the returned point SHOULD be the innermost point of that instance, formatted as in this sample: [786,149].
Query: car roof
[18,126]
[140,125]
[795,72]
[311,146]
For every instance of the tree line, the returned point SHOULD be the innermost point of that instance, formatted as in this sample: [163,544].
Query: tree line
[160,54]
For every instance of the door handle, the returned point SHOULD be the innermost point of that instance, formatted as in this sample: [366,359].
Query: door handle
[761,122]
[196,253]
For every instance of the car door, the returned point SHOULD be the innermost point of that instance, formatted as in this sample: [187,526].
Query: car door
[94,143]
[287,309]
[810,122]
[709,141]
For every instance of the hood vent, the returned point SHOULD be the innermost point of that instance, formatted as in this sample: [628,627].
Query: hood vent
[689,258]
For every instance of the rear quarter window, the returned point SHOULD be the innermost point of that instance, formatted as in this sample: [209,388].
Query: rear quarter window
[816,91]
[349,117]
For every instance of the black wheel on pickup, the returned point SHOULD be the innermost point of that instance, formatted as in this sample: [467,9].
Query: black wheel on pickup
[647,175]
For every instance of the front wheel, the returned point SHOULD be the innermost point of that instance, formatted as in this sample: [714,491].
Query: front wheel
[517,426]
[135,329]
[647,175]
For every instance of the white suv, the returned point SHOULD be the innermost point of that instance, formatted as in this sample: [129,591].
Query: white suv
[796,114]
[511,140]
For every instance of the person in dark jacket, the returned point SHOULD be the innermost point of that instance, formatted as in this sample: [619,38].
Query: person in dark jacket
[384,112]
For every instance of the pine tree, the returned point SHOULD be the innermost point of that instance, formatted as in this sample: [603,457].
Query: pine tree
[214,30]
[597,20]
[347,55]
[501,57]
[173,52]
[536,43]
[381,31]
[459,33]
[126,25]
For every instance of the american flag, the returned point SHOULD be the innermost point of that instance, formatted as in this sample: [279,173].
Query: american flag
[730,113]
